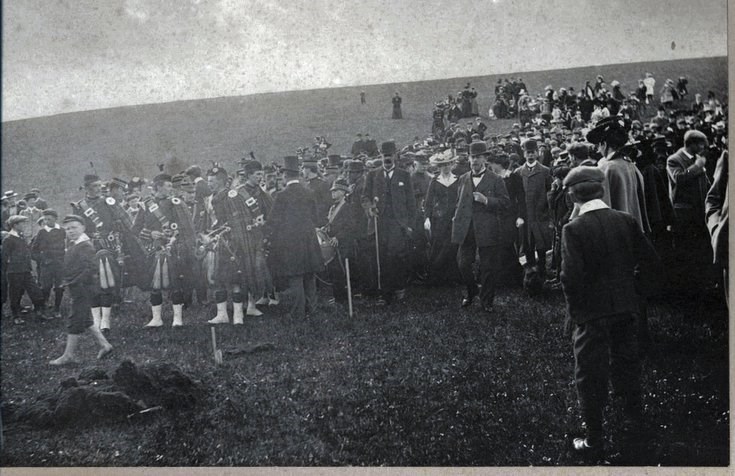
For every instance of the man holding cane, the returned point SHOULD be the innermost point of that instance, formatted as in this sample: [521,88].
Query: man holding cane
[389,195]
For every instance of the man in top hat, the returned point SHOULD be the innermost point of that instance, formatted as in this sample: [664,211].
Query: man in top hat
[120,255]
[538,228]
[168,236]
[295,256]
[623,181]
[16,269]
[333,168]
[319,187]
[389,197]
[80,267]
[482,198]
[239,260]
[47,250]
[601,250]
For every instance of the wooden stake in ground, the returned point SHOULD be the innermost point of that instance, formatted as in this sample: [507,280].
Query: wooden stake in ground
[349,285]
[217,353]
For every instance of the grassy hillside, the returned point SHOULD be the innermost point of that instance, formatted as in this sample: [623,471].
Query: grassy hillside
[53,152]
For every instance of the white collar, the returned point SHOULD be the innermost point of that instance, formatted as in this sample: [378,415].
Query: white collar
[592,205]
[56,227]
[292,181]
[82,238]
[14,233]
[531,167]
[198,179]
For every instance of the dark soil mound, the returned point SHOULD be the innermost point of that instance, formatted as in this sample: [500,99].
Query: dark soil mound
[95,397]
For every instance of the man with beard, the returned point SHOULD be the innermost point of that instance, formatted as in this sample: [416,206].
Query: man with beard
[482,197]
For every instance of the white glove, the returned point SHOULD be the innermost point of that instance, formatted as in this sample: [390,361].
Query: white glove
[427,225]
[519,222]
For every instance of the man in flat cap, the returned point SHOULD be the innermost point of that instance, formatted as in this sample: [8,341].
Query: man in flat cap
[342,229]
[688,186]
[538,228]
[388,195]
[47,250]
[601,250]
[109,227]
[80,267]
[16,270]
[482,198]
[168,235]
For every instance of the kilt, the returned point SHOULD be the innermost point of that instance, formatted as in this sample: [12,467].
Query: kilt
[247,270]
[174,270]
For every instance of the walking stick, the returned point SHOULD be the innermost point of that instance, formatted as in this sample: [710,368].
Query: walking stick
[349,285]
[377,245]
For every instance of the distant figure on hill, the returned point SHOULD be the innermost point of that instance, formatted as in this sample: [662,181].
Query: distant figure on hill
[397,114]
[362,97]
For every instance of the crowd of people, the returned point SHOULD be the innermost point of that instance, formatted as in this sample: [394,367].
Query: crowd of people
[605,195]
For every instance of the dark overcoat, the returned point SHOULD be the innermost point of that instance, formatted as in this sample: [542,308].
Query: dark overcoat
[484,218]
[401,187]
[291,232]
[536,184]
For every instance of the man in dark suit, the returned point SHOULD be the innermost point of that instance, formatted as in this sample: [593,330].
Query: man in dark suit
[688,186]
[717,211]
[319,187]
[537,230]
[295,256]
[342,228]
[388,195]
[601,248]
[482,199]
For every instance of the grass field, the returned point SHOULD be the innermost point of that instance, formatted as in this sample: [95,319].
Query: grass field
[418,383]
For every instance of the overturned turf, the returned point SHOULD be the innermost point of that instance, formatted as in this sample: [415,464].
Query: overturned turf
[96,397]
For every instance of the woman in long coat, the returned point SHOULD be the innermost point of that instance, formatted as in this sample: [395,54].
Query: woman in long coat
[441,200]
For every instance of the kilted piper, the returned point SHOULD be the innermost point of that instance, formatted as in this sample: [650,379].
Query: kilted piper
[119,253]
[236,260]
[168,235]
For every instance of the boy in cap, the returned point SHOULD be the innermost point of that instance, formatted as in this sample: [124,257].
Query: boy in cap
[16,269]
[79,269]
[48,249]
[601,250]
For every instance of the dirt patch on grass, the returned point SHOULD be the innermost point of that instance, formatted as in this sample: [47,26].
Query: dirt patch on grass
[94,396]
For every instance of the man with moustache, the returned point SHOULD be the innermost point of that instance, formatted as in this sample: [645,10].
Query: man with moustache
[482,198]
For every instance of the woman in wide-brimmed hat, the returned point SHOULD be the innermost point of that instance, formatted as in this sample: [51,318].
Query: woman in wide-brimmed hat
[441,199]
